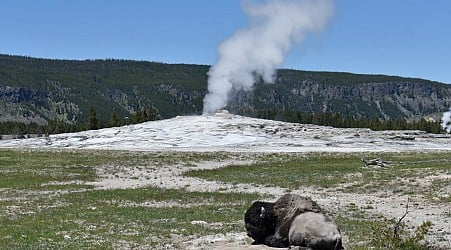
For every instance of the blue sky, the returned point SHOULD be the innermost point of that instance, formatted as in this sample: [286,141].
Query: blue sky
[402,37]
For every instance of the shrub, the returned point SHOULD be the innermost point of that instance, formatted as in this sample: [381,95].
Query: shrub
[383,236]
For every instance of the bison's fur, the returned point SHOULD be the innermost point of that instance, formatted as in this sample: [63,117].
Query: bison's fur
[315,231]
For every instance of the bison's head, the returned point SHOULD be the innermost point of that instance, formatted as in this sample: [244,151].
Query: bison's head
[260,221]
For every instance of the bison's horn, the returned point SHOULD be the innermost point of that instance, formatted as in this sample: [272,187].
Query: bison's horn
[262,212]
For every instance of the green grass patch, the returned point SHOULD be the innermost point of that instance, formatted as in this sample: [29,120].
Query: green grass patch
[30,169]
[288,172]
[357,230]
[341,171]
[104,219]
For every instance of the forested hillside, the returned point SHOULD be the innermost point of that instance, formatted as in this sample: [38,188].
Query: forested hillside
[62,91]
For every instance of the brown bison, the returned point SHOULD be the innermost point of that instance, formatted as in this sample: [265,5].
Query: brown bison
[292,220]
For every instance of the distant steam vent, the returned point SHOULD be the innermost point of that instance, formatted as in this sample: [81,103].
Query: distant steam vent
[446,121]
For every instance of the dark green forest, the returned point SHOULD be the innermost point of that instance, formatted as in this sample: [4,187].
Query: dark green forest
[339,121]
[325,119]
[45,96]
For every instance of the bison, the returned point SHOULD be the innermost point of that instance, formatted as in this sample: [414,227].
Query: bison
[292,220]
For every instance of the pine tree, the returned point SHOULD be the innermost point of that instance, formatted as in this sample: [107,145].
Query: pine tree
[136,117]
[114,120]
[60,126]
[93,123]
[152,114]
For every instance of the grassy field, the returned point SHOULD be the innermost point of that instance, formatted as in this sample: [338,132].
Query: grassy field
[45,203]
[342,172]
[48,199]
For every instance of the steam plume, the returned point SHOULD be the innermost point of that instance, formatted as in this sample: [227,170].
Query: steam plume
[446,121]
[255,52]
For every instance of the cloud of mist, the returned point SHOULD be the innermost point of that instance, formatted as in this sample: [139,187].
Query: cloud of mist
[255,52]
[446,121]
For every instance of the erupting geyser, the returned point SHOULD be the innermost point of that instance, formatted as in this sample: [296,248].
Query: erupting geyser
[446,121]
[256,52]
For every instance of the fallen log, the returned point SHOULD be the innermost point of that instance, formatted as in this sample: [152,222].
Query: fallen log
[375,162]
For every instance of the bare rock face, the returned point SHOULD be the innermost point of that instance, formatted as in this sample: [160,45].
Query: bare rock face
[292,220]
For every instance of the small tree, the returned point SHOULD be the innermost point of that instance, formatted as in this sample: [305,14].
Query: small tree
[60,126]
[114,120]
[136,117]
[152,114]
[93,123]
